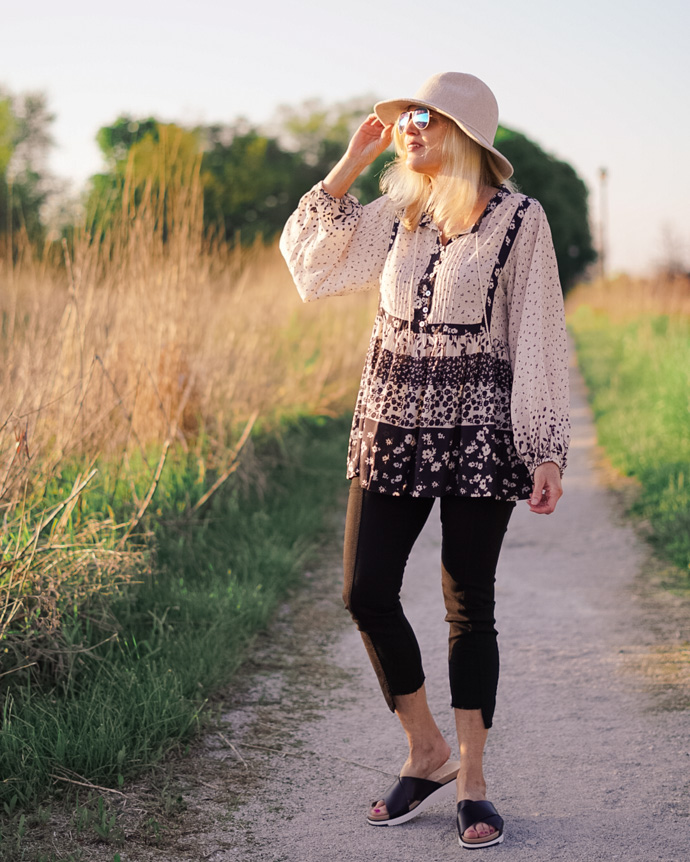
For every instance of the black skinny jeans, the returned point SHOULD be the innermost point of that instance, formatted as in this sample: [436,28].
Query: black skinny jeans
[380,531]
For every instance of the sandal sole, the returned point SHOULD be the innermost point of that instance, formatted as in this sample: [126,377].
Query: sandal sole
[479,844]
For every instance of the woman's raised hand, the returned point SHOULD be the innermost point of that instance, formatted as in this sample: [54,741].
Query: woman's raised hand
[368,142]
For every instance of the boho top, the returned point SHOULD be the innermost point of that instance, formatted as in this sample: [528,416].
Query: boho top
[465,385]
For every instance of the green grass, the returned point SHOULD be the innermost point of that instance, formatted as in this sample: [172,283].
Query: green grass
[638,375]
[183,632]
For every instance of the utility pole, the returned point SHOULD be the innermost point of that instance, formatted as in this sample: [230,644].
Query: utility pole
[603,223]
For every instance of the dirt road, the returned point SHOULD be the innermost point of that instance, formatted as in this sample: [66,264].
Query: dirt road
[588,758]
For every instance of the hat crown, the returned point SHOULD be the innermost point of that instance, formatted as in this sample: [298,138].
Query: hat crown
[466,99]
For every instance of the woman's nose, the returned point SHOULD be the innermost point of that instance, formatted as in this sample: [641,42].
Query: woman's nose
[410,128]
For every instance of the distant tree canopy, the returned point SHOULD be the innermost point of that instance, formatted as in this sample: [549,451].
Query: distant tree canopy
[24,180]
[251,184]
[146,161]
[561,192]
[251,179]
[117,140]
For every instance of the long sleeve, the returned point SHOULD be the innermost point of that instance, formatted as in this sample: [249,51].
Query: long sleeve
[540,400]
[334,246]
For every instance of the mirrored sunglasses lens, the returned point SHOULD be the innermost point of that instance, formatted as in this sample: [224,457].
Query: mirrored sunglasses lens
[402,121]
[420,118]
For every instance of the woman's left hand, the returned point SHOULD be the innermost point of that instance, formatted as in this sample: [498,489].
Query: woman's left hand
[547,489]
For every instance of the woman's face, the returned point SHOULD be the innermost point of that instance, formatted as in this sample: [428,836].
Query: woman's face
[423,146]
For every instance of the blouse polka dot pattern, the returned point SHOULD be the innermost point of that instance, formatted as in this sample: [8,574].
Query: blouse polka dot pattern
[465,385]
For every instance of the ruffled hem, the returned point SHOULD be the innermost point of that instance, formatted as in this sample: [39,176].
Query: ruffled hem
[472,461]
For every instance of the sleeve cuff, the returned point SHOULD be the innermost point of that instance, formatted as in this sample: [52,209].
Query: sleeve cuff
[344,207]
[559,460]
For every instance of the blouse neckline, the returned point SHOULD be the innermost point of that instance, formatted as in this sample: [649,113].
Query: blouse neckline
[427,221]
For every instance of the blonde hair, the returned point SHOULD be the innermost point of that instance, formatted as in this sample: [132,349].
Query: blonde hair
[452,195]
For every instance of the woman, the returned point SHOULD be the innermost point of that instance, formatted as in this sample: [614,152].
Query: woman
[464,396]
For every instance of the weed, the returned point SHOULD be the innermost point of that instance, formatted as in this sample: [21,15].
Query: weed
[95,817]
[104,824]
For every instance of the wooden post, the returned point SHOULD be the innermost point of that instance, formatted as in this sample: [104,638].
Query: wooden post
[603,223]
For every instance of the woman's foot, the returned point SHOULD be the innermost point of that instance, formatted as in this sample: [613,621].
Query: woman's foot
[471,785]
[420,764]
[474,817]
[475,792]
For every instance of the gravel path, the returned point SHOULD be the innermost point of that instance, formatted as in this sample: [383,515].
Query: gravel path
[582,762]
[589,757]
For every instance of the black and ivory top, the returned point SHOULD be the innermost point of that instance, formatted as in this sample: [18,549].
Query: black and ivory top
[465,385]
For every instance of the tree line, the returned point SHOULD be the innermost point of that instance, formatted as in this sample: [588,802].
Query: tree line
[25,183]
[251,177]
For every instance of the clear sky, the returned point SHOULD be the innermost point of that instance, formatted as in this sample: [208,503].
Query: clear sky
[598,84]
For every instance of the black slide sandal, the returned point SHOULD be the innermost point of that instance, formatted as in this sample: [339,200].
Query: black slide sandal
[407,797]
[470,813]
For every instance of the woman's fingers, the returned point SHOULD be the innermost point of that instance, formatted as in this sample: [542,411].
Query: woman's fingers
[368,142]
[373,121]
[371,138]
[547,489]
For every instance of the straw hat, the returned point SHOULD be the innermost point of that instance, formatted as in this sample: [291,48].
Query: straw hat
[462,98]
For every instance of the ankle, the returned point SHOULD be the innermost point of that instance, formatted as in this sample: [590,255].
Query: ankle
[425,758]
[471,787]
[425,747]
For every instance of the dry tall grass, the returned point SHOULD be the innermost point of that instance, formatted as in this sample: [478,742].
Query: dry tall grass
[149,337]
[625,297]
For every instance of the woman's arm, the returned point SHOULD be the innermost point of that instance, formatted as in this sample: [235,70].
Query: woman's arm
[366,145]
[540,400]
[331,243]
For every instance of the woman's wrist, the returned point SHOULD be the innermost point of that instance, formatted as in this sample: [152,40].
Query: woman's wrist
[547,463]
[341,177]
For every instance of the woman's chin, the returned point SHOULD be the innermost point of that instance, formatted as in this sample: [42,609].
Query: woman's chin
[419,166]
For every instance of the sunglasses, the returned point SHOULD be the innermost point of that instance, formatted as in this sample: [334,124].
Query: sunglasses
[420,119]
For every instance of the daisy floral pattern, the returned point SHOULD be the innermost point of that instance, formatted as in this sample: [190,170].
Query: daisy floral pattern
[465,385]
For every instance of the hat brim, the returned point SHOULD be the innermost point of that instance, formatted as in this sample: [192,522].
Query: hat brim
[389,110]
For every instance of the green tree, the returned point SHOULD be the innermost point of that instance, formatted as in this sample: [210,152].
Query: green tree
[25,183]
[320,134]
[251,183]
[252,179]
[562,193]
[103,197]
[146,161]
[116,141]
[7,134]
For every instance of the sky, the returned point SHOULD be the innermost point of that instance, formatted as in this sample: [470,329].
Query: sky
[598,84]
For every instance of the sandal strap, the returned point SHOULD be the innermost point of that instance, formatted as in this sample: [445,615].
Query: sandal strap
[405,790]
[470,813]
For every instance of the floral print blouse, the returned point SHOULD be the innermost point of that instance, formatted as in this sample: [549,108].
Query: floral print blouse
[465,384]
